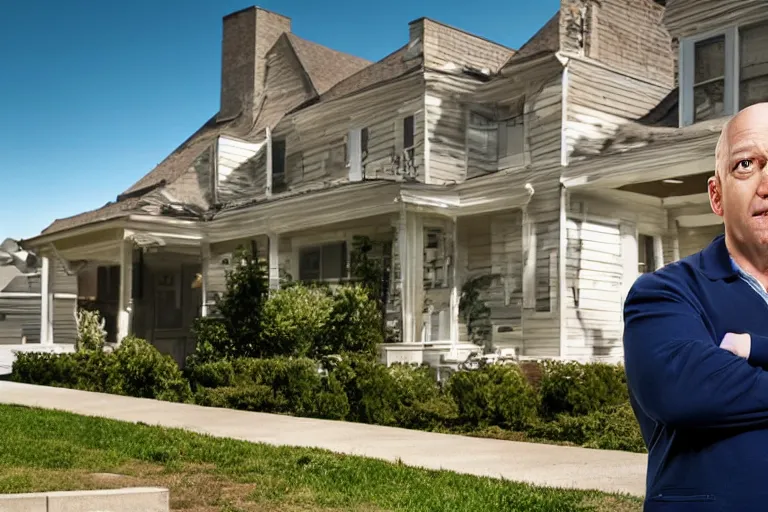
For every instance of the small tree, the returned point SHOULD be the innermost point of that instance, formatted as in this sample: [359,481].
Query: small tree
[91,333]
[241,304]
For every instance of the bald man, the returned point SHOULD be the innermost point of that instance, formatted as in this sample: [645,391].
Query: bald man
[696,345]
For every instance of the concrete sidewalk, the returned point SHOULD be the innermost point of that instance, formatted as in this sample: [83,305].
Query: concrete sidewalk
[540,464]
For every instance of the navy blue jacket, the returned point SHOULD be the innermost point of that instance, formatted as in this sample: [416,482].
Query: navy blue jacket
[703,411]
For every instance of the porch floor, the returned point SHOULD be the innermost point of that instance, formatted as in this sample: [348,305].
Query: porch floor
[539,464]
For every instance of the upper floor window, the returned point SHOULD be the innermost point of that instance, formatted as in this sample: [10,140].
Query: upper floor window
[409,135]
[278,163]
[512,142]
[723,72]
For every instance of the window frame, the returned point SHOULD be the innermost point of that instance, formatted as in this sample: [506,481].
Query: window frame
[319,247]
[282,180]
[687,63]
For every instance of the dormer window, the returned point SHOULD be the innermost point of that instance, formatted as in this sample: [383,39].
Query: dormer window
[723,72]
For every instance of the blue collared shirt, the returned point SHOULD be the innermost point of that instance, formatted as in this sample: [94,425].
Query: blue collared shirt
[703,412]
[751,281]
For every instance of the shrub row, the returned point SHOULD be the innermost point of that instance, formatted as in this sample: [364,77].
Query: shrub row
[136,368]
[584,404]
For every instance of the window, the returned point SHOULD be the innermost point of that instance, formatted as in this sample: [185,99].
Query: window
[724,72]
[646,254]
[278,162]
[512,142]
[364,143]
[434,258]
[108,283]
[753,65]
[482,142]
[409,134]
[709,79]
[323,263]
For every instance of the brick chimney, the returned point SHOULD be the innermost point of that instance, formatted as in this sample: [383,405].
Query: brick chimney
[247,37]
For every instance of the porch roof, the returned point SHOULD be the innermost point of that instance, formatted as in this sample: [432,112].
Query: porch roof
[639,154]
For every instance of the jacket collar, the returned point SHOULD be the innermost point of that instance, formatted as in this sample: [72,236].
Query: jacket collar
[716,262]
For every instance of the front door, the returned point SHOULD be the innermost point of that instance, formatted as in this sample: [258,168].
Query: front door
[176,304]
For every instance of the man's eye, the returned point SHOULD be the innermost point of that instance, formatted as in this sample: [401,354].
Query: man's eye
[743,165]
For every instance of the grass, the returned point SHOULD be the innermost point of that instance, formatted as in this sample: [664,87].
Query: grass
[48,450]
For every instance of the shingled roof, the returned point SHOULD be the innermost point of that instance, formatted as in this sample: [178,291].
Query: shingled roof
[325,67]
[546,40]
[390,67]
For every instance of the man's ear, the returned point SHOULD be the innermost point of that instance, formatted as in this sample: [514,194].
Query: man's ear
[715,195]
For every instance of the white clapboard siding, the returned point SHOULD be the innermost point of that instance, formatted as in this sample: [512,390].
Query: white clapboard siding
[594,287]
[234,176]
[64,321]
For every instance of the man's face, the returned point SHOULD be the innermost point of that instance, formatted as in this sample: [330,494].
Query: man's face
[741,196]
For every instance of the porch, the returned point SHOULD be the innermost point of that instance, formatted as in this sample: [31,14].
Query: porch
[632,212]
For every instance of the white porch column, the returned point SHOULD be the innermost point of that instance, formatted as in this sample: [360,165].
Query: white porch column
[205,259]
[455,284]
[411,246]
[46,303]
[125,301]
[658,252]
[274,261]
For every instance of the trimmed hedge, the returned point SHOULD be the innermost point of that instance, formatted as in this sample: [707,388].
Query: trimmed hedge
[136,368]
[582,404]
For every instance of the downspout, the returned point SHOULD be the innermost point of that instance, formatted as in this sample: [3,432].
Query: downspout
[563,245]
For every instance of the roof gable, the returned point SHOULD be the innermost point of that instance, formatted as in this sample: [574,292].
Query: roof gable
[325,67]
[546,40]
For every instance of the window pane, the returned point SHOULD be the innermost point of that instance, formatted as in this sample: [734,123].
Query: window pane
[408,132]
[709,101]
[278,157]
[309,264]
[334,261]
[753,87]
[710,59]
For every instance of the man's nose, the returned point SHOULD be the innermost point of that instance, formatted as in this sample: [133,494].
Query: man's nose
[762,189]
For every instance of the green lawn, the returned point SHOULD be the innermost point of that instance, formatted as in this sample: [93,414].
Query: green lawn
[47,450]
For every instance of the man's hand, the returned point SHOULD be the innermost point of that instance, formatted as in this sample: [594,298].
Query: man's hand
[739,344]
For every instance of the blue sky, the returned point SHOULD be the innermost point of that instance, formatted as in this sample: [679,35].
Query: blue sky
[95,93]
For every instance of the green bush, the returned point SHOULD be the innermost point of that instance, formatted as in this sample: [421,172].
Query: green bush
[213,374]
[257,398]
[240,307]
[294,382]
[354,324]
[332,402]
[138,369]
[370,390]
[615,428]
[494,395]
[81,370]
[294,321]
[576,389]
[277,385]
[212,341]
[421,402]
